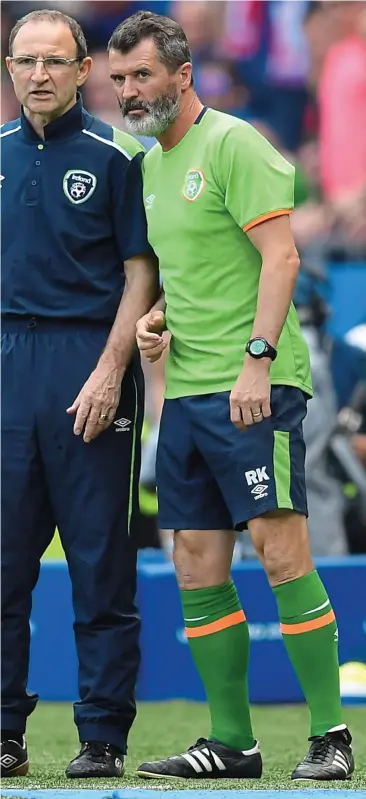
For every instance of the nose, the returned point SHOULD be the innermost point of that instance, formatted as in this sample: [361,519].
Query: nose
[39,74]
[129,89]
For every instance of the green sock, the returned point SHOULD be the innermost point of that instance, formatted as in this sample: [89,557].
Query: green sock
[218,637]
[310,635]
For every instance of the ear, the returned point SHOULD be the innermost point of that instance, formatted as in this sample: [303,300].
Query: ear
[186,76]
[9,67]
[84,70]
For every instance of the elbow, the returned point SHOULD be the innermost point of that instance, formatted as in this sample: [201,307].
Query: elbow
[292,260]
[285,261]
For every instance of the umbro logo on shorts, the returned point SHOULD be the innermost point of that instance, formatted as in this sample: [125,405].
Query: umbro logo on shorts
[259,491]
[123,425]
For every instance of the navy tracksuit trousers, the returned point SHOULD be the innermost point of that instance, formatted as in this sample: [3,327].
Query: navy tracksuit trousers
[90,491]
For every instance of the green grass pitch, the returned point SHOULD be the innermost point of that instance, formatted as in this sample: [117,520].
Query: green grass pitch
[168,728]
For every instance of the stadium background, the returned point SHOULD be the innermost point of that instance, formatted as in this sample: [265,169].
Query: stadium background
[297,70]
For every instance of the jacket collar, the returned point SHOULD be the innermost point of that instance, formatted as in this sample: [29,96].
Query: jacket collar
[65,127]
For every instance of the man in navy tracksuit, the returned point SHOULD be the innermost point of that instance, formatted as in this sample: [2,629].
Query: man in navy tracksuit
[77,273]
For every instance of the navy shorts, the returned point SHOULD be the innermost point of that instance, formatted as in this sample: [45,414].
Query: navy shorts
[212,476]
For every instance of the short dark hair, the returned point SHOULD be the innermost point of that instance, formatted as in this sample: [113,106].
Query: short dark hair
[170,39]
[52,16]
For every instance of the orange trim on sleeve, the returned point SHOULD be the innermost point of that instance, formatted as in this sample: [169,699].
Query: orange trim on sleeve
[264,218]
[216,626]
[307,626]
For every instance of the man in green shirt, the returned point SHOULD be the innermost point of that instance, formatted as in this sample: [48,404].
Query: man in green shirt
[231,454]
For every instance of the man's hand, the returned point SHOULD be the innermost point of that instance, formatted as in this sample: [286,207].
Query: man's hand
[149,337]
[250,397]
[96,404]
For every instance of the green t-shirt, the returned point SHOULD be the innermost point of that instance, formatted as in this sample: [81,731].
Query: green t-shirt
[200,198]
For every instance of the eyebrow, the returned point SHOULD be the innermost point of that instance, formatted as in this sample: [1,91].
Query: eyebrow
[134,72]
[51,55]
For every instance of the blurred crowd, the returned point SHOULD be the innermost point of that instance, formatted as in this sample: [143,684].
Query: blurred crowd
[296,69]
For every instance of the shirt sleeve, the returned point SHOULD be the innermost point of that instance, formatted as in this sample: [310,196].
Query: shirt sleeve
[129,218]
[257,181]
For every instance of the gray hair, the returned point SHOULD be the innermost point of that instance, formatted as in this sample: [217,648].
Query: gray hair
[170,40]
[52,15]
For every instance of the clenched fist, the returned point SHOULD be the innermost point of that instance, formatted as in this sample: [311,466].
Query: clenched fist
[149,330]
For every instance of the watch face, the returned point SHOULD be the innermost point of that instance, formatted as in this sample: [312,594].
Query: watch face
[258,347]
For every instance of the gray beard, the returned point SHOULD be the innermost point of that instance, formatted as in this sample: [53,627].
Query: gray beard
[159,115]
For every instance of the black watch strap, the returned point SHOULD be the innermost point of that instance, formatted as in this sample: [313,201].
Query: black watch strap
[260,348]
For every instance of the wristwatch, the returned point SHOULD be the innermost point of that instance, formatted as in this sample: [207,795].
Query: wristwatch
[260,348]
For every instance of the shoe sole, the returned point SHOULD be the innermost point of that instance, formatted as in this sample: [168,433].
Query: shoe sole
[314,779]
[18,771]
[94,776]
[148,775]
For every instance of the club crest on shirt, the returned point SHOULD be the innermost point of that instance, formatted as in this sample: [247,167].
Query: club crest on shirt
[79,185]
[194,184]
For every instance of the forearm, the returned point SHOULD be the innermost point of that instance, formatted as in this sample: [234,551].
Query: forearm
[141,289]
[276,287]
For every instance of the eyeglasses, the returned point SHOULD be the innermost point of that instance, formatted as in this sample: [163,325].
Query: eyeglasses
[28,63]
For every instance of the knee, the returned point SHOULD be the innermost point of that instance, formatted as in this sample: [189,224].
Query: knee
[202,558]
[283,542]
[279,568]
[187,557]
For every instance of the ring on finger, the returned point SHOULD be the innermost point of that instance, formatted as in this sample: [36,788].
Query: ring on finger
[102,418]
[256,414]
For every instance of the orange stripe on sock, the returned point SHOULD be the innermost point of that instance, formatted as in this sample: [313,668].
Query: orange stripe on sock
[307,626]
[216,626]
